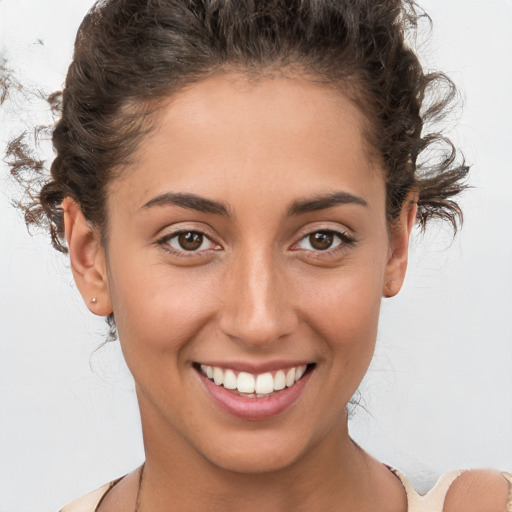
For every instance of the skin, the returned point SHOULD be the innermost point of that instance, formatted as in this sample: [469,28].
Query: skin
[256,291]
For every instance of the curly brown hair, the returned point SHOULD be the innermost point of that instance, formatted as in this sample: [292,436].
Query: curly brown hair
[129,54]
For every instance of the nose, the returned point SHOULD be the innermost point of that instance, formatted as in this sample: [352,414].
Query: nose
[257,307]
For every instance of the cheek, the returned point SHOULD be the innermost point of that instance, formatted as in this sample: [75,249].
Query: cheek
[158,309]
[343,308]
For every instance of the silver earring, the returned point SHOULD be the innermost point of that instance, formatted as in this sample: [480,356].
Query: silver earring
[94,300]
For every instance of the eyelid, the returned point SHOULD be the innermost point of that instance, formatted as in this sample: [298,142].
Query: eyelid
[163,241]
[346,239]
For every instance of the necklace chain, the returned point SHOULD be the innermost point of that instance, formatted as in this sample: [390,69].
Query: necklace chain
[139,490]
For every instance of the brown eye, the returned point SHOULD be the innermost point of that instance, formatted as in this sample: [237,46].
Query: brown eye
[327,241]
[321,240]
[190,241]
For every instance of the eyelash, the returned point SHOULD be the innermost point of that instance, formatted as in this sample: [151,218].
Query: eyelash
[345,241]
[164,242]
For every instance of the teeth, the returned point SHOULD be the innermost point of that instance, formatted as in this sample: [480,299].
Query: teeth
[279,380]
[207,370]
[264,384]
[300,372]
[230,380]
[245,383]
[254,386]
[290,377]
[218,376]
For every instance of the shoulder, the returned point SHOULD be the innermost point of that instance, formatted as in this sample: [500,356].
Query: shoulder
[480,490]
[462,491]
[90,501]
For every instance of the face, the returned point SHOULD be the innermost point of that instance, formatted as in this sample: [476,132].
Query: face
[247,255]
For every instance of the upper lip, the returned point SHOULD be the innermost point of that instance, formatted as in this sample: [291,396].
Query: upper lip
[255,368]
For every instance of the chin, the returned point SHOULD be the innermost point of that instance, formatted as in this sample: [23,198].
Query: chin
[256,461]
[259,452]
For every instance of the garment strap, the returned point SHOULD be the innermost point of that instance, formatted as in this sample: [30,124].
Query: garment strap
[508,477]
[90,502]
[432,501]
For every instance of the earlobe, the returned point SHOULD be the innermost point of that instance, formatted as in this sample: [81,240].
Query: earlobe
[399,247]
[87,258]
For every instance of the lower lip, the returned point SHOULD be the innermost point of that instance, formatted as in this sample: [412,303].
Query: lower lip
[254,408]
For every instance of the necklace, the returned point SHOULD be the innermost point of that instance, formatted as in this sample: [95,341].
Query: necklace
[139,490]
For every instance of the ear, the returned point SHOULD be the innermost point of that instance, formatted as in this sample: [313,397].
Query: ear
[87,258]
[399,246]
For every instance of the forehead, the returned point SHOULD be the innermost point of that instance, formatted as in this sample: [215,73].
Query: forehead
[227,136]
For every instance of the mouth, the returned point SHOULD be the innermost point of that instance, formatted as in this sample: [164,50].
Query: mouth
[254,385]
[254,396]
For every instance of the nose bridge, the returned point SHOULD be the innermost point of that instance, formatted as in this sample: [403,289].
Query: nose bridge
[257,310]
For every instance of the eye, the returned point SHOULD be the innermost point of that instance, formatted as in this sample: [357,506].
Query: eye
[189,241]
[323,240]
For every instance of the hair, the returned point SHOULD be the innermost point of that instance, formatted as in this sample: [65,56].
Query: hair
[132,54]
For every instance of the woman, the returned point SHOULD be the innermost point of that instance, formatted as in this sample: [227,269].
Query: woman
[236,186]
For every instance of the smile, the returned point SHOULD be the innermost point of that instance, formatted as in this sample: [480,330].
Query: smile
[254,386]
[254,396]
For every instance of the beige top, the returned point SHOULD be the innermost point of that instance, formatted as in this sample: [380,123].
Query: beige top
[433,501]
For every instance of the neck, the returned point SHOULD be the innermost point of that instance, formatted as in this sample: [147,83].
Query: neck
[333,476]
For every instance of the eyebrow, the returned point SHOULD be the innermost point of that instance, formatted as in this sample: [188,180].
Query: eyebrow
[323,202]
[204,205]
[189,201]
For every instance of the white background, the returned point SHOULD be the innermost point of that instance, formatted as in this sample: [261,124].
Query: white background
[439,391]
